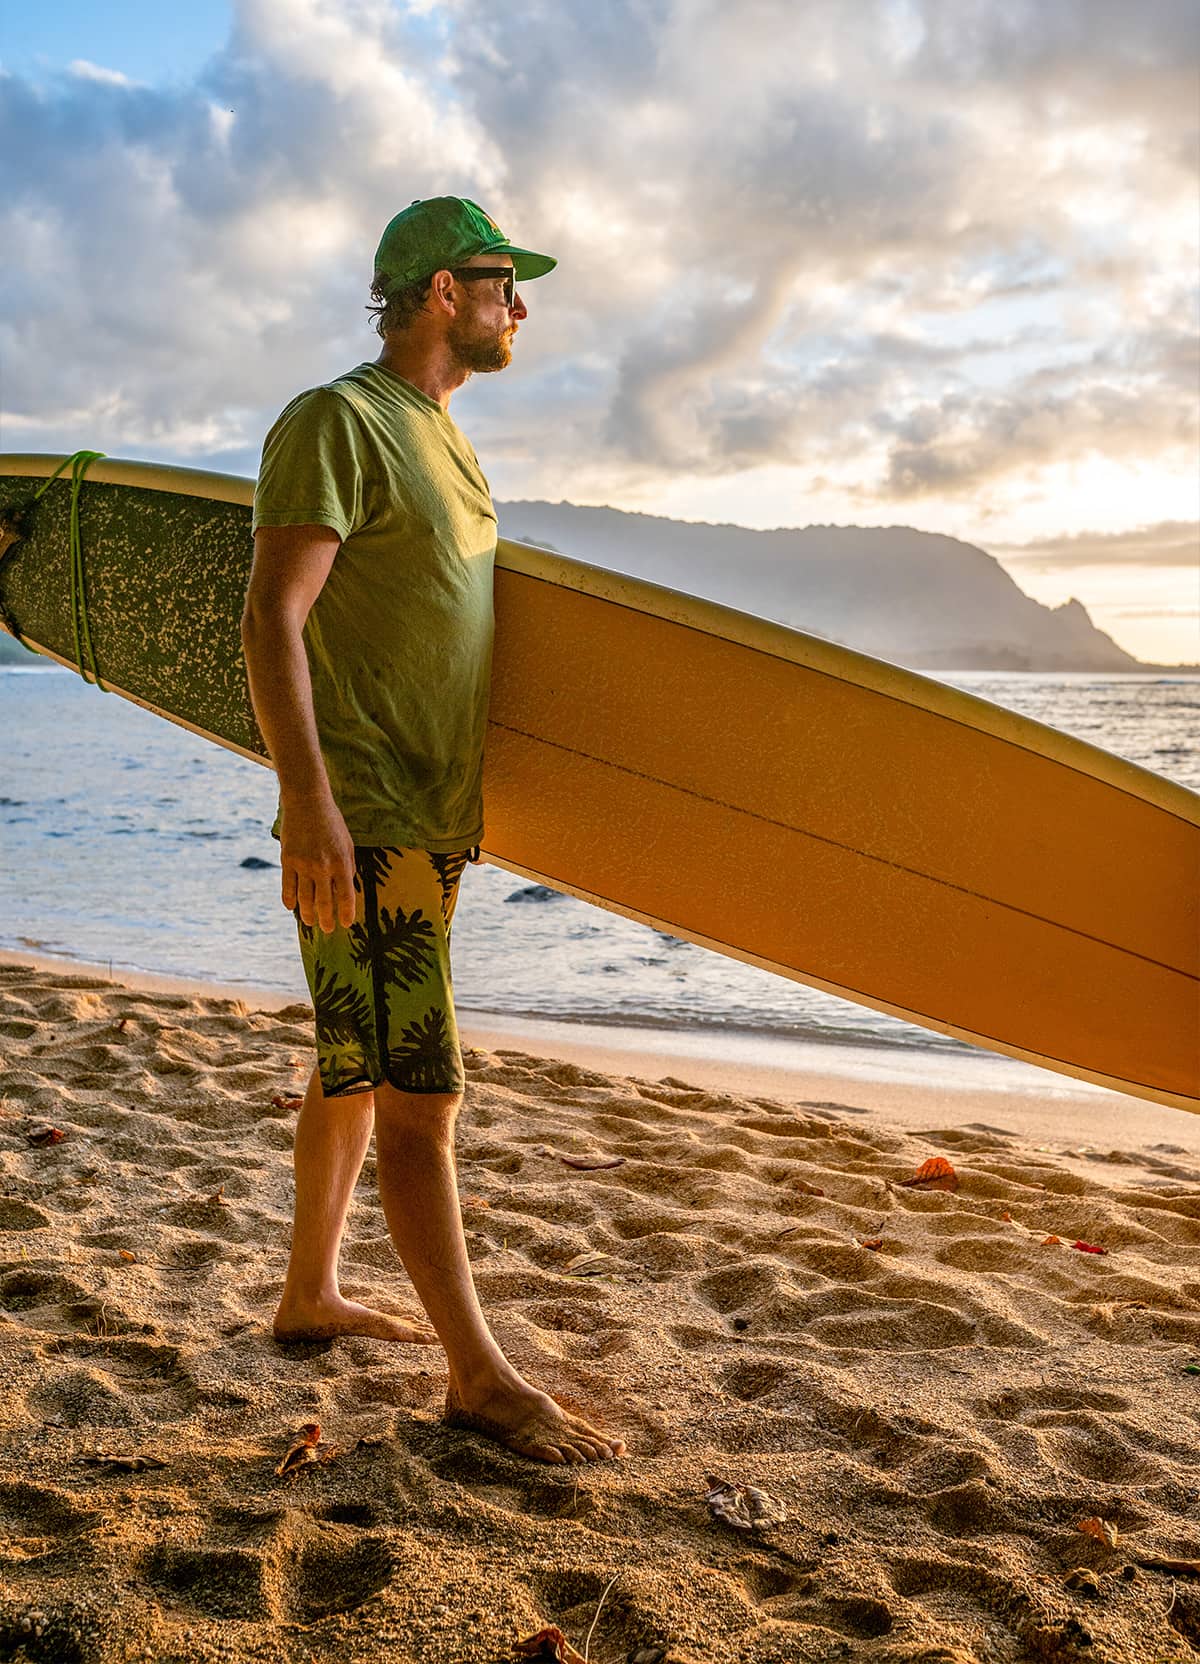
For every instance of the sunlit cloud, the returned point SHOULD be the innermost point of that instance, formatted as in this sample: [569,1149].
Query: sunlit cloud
[82,70]
[934,263]
[1170,543]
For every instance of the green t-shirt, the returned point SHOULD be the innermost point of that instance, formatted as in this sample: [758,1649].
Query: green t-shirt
[399,641]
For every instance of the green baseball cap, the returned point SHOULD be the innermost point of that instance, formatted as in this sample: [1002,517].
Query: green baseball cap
[442,232]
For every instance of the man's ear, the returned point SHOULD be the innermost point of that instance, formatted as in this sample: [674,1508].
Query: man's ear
[441,287]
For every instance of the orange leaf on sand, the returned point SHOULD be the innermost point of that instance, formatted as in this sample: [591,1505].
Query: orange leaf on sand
[872,1242]
[1049,1241]
[549,1645]
[934,1174]
[44,1133]
[310,1448]
[592,1164]
[1088,1248]
[1102,1531]
[286,1100]
[805,1189]
[126,1255]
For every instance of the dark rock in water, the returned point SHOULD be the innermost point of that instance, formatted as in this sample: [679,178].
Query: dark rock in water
[256,862]
[536,892]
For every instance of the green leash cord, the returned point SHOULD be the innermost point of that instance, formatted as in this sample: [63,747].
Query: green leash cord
[79,465]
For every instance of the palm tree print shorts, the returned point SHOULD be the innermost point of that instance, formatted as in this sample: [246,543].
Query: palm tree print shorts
[381,989]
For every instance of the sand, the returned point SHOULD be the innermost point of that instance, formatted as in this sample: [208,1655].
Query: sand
[933,1394]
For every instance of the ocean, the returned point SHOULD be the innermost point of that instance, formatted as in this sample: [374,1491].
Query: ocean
[127,841]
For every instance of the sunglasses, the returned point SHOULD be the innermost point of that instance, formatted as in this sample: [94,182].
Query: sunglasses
[468,274]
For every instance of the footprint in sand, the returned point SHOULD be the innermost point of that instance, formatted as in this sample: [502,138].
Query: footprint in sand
[293,1569]
[16,1215]
[30,1291]
[41,1514]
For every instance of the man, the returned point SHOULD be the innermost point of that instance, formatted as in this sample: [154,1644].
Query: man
[367,631]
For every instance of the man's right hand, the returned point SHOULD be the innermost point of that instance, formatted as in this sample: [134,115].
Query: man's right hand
[318,864]
[291,564]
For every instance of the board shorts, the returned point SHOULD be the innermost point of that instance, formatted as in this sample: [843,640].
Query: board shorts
[381,989]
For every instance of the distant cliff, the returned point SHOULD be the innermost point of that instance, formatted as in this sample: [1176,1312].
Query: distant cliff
[917,598]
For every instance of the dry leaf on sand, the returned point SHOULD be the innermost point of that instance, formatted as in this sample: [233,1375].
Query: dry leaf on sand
[593,1264]
[122,1463]
[130,1259]
[550,1645]
[1159,1563]
[1052,1241]
[310,1448]
[1102,1531]
[804,1188]
[874,1243]
[43,1133]
[592,1164]
[934,1174]
[286,1100]
[744,1507]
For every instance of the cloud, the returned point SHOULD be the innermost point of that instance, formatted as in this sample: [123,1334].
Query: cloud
[185,257]
[85,71]
[1169,543]
[941,242]
[968,440]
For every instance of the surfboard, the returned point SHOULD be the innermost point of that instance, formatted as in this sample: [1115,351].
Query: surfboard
[765,793]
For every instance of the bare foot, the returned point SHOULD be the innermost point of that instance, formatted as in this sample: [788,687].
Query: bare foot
[530,1423]
[330,1318]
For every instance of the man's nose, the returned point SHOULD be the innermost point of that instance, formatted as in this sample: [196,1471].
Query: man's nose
[518,307]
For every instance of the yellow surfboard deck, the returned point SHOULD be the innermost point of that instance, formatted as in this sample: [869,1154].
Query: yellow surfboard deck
[765,793]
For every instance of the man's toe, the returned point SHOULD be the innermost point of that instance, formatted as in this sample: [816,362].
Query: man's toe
[600,1446]
[542,1452]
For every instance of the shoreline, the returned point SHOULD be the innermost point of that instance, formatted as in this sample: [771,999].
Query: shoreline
[909,1091]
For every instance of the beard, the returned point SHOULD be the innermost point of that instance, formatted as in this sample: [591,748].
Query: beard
[477,349]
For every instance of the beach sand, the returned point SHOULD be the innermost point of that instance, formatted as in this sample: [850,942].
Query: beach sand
[934,1394]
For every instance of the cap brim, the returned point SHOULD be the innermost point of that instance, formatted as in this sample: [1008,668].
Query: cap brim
[526,263]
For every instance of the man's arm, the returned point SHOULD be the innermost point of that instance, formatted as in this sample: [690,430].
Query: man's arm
[291,563]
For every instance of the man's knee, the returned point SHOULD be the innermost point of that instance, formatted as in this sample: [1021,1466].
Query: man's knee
[409,1115]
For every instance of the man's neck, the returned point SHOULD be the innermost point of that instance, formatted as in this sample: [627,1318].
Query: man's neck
[429,365]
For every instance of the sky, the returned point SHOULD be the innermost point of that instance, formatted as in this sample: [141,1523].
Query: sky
[907,262]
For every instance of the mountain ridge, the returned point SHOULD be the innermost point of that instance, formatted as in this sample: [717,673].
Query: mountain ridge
[923,599]
[926,600]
